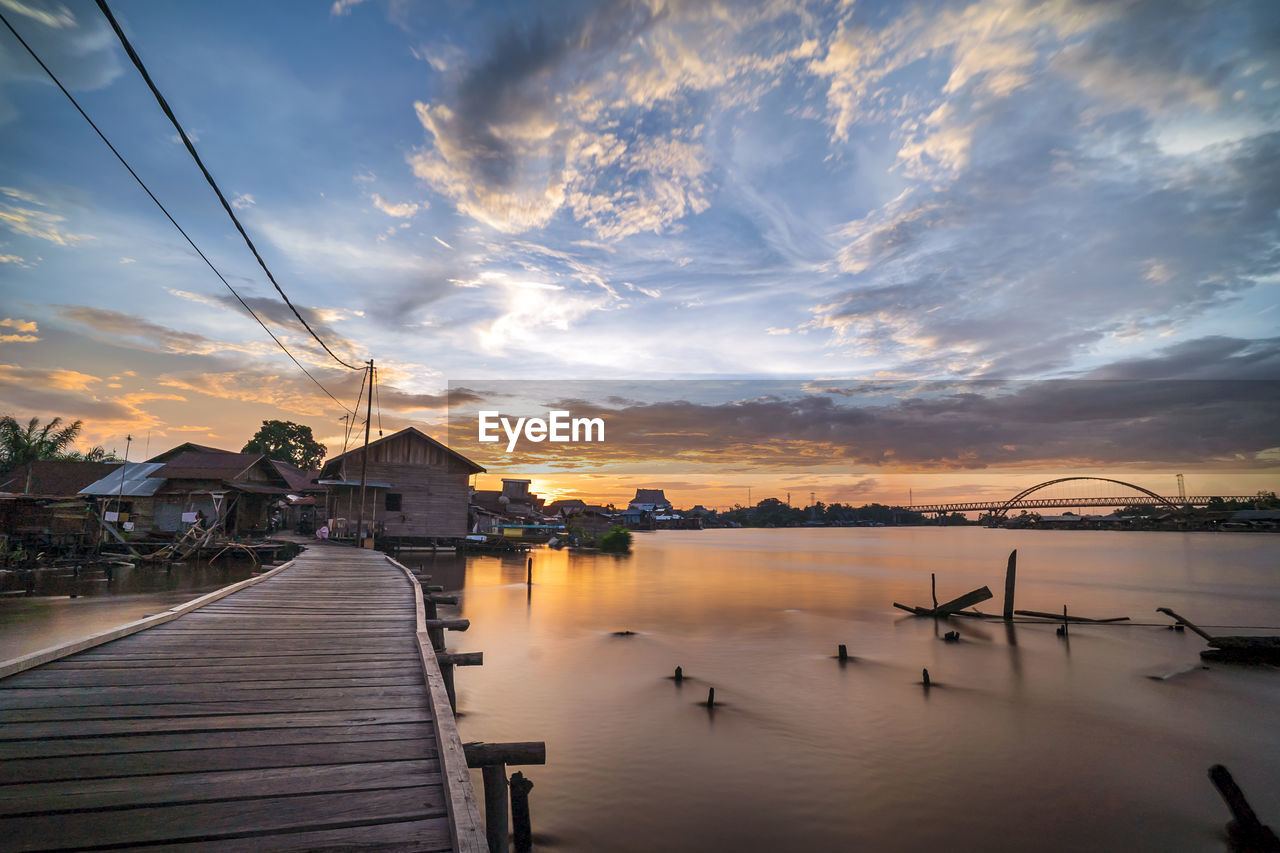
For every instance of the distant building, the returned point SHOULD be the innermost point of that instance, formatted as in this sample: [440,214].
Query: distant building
[650,500]
[415,487]
[513,501]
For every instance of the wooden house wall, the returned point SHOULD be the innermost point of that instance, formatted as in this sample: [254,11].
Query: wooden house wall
[433,497]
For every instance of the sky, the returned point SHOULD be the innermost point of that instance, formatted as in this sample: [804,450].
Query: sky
[1072,196]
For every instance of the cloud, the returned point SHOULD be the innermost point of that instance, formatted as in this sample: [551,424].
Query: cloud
[597,117]
[82,50]
[243,201]
[1067,424]
[20,325]
[343,7]
[130,330]
[400,211]
[32,222]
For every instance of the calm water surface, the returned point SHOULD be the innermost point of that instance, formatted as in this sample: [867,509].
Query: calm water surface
[51,617]
[1026,741]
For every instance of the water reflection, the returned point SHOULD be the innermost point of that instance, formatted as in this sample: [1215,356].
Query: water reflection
[1022,741]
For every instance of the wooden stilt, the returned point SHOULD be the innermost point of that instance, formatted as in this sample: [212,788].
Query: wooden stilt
[679,675]
[926,678]
[521,830]
[1009,576]
[495,806]
[842,653]
[711,697]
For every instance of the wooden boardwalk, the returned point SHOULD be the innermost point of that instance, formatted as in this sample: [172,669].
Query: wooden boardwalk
[302,712]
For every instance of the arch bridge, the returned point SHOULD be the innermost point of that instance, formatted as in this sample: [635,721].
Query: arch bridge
[1023,500]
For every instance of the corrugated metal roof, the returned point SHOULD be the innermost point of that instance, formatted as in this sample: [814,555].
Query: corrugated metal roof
[138,481]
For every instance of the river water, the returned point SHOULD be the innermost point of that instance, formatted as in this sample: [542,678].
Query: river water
[1025,741]
[1099,741]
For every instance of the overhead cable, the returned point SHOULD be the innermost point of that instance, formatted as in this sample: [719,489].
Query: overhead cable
[186,140]
[163,209]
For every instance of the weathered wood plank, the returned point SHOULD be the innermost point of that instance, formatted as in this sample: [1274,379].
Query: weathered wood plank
[419,835]
[230,818]
[209,785]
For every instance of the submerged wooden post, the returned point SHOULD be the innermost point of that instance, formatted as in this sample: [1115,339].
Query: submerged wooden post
[679,674]
[529,575]
[495,806]
[842,653]
[1245,832]
[933,588]
[521,830]
[1009,575]
[711,697]
[926,678]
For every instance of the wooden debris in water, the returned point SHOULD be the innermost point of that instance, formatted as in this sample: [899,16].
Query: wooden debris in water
[1063,617]
[952,607]
[1245,832]
[1235,649]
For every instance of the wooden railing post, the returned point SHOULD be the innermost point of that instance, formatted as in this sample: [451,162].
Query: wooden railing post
[492,759]
[495,806]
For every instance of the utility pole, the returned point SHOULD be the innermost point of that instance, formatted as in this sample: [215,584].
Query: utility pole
[128,440]
[364,460]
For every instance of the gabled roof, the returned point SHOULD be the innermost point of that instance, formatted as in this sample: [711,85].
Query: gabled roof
[218,465]
[649,496]
[356,451]
[188,447]
[55,477]
[298,480]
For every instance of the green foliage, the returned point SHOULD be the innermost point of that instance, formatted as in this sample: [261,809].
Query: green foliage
[772,512]
[616,541]
[22,445]
[97,453]
[286,441]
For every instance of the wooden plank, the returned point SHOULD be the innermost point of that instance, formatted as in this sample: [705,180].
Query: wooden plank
[79,768]
[89,697]
[225,818]
[420,835]
[208,785]
[15,750]
[278,720]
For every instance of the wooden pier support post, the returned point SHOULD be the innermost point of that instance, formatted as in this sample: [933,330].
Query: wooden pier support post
[528,580]
[711,697]
[1009,576]
[495,806]
[933,588]
[842,653]
[447,661]
[926,678]
[679,676]
[521,830]
[492,759]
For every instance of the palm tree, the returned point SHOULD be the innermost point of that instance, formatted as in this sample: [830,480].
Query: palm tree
[23,445]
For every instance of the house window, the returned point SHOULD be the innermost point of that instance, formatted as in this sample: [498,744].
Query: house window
[393,502]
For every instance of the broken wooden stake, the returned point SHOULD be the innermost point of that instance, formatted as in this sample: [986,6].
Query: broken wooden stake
[1245,832]
[951,636]
[842,653]
[521,831]
[1009,575]
[492,759]
[926,677]
[933,588]
[711,697]
[529,575]
[679,676]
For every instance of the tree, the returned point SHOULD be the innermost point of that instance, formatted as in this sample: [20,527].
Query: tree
[286,441]
[21,445]
[97,453]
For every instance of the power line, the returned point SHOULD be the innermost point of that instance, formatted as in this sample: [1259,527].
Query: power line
[163,209]
[164,105]
[355,414]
